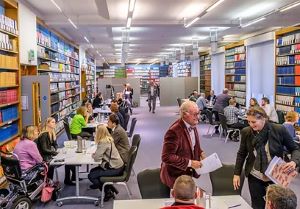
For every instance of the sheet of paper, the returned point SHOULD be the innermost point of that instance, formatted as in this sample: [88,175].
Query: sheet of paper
[209,164]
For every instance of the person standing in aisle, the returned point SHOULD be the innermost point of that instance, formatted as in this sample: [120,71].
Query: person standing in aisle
[260,142]
[182,153]
[128,93]
[152,94]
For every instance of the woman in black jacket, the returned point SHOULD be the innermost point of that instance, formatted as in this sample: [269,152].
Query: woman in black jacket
[47,146]
[97,102]
[260,142]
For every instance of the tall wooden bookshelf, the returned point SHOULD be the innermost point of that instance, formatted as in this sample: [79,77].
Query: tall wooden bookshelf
[287,73]
[10,74]
[59,59]
[205,73]
[90,78]
[235,71]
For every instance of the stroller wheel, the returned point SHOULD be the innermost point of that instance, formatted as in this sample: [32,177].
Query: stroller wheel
[22,203]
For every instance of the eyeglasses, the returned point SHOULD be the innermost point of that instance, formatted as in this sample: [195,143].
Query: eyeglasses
[194,114]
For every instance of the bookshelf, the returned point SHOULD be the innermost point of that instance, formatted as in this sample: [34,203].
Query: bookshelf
[235,71]
[182,69]
[287,73]
[58,59]
[10,74]
[205,73]
[90,78]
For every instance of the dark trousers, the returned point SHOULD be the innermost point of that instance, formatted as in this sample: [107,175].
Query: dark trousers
[152,101]
[70,174]
[83,134]
[257,189]
[97,172]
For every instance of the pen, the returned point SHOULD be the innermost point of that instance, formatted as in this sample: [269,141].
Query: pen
[234,206]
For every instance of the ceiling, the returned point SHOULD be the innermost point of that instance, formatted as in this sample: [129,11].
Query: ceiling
[157,30]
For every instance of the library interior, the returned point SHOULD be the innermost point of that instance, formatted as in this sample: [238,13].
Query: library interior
[149,104]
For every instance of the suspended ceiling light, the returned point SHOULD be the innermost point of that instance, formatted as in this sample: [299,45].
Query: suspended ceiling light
[214,5]
[253,22]
[129,19]
[192,22]
[72,23]
[56,5]
[131,5]
[290,6]
[87,40]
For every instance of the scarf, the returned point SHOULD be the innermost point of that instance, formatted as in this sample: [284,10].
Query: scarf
[259,143]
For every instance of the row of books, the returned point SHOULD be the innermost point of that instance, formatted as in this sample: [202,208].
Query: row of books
[288,60]
[8,96]
[236,50]
[55,77]
[237,93]
[238,64]
[9,113]
[237,78]
[8,24]
[9,62]
[288,80]
[287,40]
[6,43]
[288,90]
[240,87]
[288,70]
[285,100]
[291,49]
[8,79]
[236,71]
[284,108]
[8,131]
[236,58]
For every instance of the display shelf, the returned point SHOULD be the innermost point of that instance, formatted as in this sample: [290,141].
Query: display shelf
[287,73]
[10,73]
[235,71]
[205,72]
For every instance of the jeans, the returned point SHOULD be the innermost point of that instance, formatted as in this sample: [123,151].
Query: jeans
[257,189]
[152,101]
[97,172]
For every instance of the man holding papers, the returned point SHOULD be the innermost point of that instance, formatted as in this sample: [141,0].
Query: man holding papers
[260,142]
[181,154]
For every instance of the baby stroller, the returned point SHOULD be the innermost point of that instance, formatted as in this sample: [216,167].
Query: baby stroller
[24,187]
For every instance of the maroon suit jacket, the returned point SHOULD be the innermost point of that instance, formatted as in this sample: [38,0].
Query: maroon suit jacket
[176,153]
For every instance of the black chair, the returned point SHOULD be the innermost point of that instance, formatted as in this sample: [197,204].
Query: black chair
[221,181]
[136,140]
[67,129]
[126,120]
[280,115]
[225,129]
[212,123]
[132,127]
[123,179]
[151,186]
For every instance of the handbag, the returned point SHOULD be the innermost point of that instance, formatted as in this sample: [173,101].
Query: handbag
[47,189]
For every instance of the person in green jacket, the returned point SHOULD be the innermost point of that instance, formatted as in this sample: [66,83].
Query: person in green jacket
[78,122]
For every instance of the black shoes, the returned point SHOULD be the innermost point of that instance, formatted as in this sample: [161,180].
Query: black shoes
[150,109]
[110,193]
[69,183]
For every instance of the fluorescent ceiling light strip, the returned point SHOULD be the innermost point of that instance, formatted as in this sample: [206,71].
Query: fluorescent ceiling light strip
[128,22]
[87,40]
[92,45]
[290,6]
[131,5]
[192,22]
[73,24]
[56,5]
[214,5]
[253,22]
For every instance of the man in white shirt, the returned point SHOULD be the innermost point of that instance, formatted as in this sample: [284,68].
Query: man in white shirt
[269,109]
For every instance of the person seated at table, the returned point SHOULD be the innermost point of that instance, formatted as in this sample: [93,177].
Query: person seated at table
[111,163]
[201,103]
[185,193]
[194,96]
[26,150]
[119,135]
[78,122]
[84,101]
[211,98]
[115,110]
[278,197]
[89,108]
[47,146]
[291,118]
[231,113]
[97,102]
[253,102]
[269,109]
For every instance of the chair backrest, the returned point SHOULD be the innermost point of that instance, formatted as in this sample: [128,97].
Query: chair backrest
[67,129]
[11,167]
[151,186]
[136,140]
[132,127]
[223,121]
[126,120]
[221,181]
[131,159]
[209,116]
[280,115]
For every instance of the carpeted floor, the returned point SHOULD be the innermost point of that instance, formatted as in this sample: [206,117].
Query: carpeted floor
[152,128]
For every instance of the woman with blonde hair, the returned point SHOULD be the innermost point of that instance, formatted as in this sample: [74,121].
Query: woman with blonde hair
[291,118]
[111,162]
[26,150]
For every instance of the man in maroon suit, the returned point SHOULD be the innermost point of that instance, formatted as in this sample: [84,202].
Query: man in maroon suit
[181,153]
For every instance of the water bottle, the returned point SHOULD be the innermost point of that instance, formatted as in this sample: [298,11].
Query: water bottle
[79,144]
[200,200]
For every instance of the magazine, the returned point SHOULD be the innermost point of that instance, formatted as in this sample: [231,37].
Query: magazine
[276,174]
